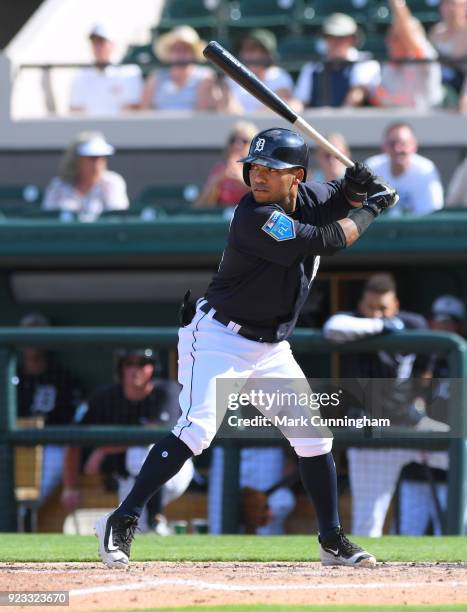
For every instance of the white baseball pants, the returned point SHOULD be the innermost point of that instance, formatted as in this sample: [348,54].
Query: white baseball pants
[207,350]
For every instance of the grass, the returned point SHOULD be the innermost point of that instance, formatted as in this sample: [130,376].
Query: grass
[298,608]
[59,547]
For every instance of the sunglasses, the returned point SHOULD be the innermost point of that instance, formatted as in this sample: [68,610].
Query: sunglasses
[233,139]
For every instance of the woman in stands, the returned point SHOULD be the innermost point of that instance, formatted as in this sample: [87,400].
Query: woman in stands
[183,85]
[85,187]
[225,186]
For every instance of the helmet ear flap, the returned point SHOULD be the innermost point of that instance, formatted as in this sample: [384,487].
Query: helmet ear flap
[246,174]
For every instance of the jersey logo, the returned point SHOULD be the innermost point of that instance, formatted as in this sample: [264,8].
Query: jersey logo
[259,146]
[279,226]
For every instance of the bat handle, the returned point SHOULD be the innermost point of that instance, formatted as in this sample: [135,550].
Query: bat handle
[305,128]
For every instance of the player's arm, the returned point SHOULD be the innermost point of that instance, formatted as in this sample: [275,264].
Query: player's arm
[346,327]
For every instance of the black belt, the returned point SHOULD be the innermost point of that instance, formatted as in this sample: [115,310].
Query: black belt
[236,328]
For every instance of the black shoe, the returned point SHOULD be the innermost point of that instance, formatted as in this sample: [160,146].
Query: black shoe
[338,550]
[115,533]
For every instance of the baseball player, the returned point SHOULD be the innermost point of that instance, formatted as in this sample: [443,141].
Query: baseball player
[240,327]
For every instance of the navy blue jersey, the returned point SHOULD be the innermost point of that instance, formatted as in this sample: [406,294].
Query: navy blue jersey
[109,406]
[271,258]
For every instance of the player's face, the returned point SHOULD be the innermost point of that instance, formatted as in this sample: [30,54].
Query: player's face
[271,185]
[136,373]
[379,305]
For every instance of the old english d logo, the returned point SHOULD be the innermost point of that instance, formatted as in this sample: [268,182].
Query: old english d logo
[279,226]
[259,145]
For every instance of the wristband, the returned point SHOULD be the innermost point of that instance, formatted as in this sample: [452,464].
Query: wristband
[362,217]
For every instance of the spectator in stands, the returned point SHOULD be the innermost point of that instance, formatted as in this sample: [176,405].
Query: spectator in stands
[415,85]
[183,85]
[449,37]
[225,185]
[421,503]
[85,187]
[260,469]
[139,398]
[457,188]
[415,178]
[329,167]
[347,75]
[258,51]
[373,473]
[105,89]
[50,392]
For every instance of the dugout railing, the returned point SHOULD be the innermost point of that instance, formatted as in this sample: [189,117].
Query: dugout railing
[303,341]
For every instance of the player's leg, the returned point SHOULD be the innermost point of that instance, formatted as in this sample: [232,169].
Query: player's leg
[373,475]
[313,446]
[207,350]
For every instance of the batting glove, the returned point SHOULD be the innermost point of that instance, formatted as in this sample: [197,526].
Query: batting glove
[380,196]
[356,182]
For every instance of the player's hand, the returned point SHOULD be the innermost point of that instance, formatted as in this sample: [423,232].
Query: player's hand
[356,182]
[381,196]
[70,499]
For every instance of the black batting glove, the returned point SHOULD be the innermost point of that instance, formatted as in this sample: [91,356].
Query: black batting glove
[356,182]
[380,196]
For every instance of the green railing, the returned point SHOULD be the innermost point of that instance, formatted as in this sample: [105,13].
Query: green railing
[303,341]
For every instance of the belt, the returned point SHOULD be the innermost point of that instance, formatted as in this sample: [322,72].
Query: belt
[236,328]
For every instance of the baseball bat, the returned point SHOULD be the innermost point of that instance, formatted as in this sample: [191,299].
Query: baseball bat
[229,64]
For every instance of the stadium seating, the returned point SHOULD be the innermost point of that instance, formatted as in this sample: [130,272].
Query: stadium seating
[314,12]
[277,15]
[169,198]
[20,200]
[203,15]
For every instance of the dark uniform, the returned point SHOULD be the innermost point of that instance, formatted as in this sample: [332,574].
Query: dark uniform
[271,258]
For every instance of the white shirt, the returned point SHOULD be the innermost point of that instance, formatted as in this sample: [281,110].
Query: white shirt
[363,74]
[108,194]
[107,91]
[276,78]
[457,188]
[419,188]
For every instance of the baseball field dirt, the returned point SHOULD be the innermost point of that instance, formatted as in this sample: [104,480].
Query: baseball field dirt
[168,584]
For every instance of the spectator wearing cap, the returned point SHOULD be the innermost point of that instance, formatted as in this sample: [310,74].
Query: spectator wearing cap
[139,398]
[258,51]
[47,391]
[457,188]
[409,84]
[415,177]
[104,89]
[85,187]
[449,37]
[346,75]
[182,85]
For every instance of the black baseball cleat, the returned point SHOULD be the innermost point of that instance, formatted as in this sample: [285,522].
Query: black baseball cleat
[339,550]
[115,533]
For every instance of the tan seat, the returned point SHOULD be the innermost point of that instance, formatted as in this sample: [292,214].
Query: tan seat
[28,476]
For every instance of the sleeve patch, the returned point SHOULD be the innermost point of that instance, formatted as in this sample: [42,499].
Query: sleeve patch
[279,226]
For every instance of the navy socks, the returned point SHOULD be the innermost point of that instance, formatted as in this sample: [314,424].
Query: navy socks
[319,479]
[164,461]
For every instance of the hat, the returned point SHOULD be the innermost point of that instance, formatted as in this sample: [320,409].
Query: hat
[34,319]
[101,30]
[185,34]
[264,38]
[447,308]
[339,24]
[96,146]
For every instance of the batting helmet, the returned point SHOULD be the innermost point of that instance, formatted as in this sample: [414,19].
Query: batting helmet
[276,148]
[146,355]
